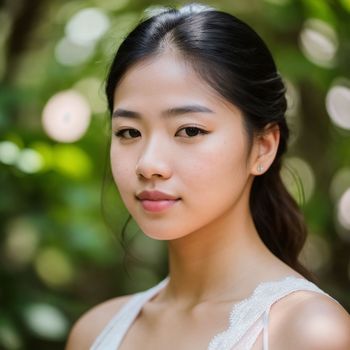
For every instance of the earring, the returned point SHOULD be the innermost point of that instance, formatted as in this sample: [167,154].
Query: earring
[260,168]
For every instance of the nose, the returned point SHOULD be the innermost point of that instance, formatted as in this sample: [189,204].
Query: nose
[153,161]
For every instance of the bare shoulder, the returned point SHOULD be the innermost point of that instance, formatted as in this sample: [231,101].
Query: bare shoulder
[91,323]
[313,322]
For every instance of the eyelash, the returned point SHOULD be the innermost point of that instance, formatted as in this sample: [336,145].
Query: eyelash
[120,133]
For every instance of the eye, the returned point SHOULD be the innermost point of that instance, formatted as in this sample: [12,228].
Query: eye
[121,133]
[193,131]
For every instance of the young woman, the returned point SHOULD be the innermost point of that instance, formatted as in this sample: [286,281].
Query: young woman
[198,133]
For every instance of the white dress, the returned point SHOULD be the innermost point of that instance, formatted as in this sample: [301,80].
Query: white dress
[247,319]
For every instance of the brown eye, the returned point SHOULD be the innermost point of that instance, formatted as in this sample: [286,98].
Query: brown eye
[132,133]
[192,131]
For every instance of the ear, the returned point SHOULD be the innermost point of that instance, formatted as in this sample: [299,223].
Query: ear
[265,149]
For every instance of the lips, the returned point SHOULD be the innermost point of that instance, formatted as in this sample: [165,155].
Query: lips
[155,196]
[156,201]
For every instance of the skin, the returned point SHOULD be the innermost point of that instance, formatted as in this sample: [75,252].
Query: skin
[214,247]
[216,257]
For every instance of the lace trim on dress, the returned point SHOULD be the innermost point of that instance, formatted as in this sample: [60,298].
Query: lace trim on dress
[243,315]
[249,338]
[248,311]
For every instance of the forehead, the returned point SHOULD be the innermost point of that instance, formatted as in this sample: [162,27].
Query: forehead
[167,81]
[163,77]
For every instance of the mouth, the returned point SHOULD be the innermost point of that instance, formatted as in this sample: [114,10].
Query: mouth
[155,195]
[157,205]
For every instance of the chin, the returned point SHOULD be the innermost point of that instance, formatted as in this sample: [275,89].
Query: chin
[161,232]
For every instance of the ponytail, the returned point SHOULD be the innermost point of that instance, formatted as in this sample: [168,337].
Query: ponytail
[278,219]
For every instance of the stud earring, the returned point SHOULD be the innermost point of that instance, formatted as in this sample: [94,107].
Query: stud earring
[260,168]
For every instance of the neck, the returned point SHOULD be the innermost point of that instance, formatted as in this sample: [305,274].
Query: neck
[223,261]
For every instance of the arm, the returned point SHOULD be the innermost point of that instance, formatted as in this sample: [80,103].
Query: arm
[318,323]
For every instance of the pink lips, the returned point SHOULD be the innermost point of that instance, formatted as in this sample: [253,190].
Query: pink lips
[156,201]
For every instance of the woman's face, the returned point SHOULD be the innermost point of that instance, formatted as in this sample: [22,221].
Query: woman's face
[199,156]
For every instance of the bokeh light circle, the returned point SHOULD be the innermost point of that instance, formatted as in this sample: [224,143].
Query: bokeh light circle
[29,161]
[9,152]
[54,267]
[87,26]
[69,53]
[298,176]
[340,183]
[46,321]
[338,106]
[344,209]
[21,241]
[319,42]
[66,116]
[316,253]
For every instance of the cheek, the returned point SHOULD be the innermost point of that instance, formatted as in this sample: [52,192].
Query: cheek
[121,167]
[221,163]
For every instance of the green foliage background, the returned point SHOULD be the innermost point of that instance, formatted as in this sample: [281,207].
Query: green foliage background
[60,253]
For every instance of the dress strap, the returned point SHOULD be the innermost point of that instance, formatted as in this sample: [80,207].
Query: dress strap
[266,329]
[113,333]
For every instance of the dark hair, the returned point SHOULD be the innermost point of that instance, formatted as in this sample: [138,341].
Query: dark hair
[232,58]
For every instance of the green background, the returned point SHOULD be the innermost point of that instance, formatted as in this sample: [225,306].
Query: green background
[60,240]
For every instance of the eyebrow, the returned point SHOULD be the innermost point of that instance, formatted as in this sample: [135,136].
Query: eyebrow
[171,112]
